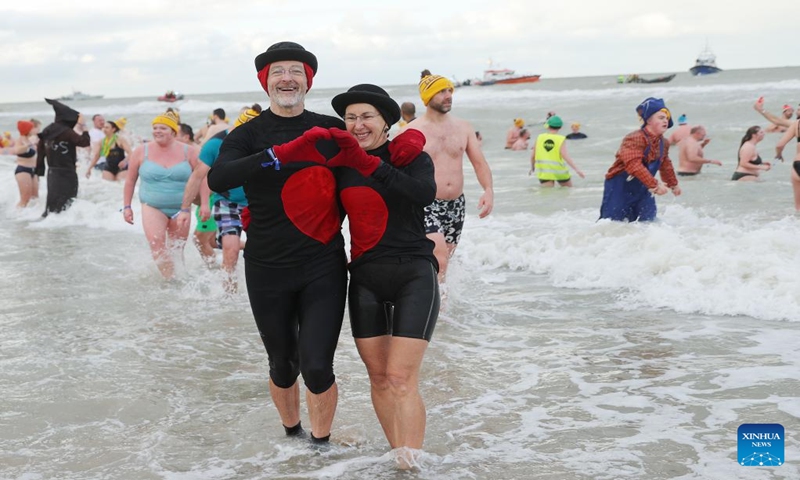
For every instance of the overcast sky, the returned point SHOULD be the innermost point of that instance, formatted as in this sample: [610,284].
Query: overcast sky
[143,48]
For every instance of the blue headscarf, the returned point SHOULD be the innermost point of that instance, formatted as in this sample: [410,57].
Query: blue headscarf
[650,106]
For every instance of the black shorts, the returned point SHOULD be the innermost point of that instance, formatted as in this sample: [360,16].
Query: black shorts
[394,296]
[560,182]
[299,313]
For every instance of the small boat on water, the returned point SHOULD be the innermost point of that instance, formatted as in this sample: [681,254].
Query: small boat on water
[77,95]
[706,63]
[504,76]
[637,79]
[170,96]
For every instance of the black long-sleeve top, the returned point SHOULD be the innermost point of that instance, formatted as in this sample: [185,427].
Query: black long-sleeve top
[386,210]
[294,211]
[58,144]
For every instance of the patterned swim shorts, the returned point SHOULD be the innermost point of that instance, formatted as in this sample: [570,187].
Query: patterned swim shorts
[446,217]
[228,216]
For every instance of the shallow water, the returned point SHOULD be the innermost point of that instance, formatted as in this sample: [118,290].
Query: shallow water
[568,348]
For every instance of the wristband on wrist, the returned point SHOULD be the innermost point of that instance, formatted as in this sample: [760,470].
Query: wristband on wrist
[185,210]
[126,207]
[274,162]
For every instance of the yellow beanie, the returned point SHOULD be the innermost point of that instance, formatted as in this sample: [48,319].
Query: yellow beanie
[245,117]
[430,85]
[518,122]
[169,119]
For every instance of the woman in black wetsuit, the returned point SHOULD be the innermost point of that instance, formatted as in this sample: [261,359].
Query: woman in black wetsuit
[25,174]
[57,144]
[393,295]
[750,163]
[115,149]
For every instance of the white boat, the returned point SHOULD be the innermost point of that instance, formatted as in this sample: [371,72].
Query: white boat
[78,95]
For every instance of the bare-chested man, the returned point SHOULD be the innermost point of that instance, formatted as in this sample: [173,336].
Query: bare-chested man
[690,152]
[447,139]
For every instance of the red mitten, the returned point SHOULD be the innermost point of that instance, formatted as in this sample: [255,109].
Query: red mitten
[245,216]
[301,149]
[351,154]
[406,147]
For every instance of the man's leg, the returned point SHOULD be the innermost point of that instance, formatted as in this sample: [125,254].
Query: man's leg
[321,305]
[230,256]
[287,401]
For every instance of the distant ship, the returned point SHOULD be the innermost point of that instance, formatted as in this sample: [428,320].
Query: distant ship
[706,63]
[77,95]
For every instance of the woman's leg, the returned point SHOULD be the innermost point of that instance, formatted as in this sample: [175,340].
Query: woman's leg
[35,187]
[154,223]
[796,189]
[25,184]
[176,239]
[393,365]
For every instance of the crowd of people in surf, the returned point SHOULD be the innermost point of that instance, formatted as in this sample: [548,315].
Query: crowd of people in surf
[288,177]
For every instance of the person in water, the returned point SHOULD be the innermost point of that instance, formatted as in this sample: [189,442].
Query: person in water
[164,165]
[25,173]
[631,183]
[227,206]
[749,163]
[57,145]
[394,294]
[294,259]
[793,131]
[448,139]
[550,158]
[514,133]
[690,153]
[113,152]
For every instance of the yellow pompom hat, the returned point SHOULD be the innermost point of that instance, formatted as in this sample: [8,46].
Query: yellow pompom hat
[430,85]
[169,119]
[245,117]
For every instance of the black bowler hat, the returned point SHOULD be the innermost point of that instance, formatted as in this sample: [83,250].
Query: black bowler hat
[371,94]
[286,51]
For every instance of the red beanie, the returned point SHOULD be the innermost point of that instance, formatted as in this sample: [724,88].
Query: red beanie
[264,72]
[24,127]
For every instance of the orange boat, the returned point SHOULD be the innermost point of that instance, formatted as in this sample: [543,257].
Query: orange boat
[505,76]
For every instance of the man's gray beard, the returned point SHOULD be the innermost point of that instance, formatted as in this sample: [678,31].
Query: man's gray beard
[289,102]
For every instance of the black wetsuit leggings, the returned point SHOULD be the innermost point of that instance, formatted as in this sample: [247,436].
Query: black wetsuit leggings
[299,313]
[394,296]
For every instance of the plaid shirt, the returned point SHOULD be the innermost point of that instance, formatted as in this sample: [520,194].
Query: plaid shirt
[629,159]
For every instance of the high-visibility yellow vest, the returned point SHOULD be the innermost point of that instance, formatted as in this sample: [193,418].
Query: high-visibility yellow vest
[549,164]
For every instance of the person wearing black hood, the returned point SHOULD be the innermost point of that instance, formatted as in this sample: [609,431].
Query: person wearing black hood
[394,299]
[57,143]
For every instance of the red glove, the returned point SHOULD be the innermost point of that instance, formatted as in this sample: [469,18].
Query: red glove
[351,154]
[301,149]
[406,147]
[245,216]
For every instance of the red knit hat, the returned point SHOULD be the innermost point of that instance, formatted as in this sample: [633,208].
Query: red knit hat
[24,127]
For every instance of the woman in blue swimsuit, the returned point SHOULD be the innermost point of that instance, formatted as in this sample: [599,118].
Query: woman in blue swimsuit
[164,166]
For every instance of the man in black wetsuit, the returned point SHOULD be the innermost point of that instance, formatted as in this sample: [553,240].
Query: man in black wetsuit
[57,143]
[294,258]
